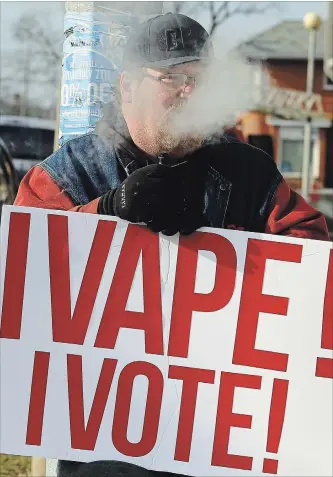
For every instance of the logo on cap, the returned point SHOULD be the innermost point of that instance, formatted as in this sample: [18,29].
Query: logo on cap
[174,39]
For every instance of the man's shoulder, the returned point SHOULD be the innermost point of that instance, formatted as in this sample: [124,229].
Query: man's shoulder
[238,157]
[81,147]
[85,167]
[242,152]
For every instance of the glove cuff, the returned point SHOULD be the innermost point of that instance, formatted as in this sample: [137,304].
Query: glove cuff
[106,203]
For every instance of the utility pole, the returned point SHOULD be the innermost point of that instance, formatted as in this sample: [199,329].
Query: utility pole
[312,22]
[328,48]
[94,36]
[328,43]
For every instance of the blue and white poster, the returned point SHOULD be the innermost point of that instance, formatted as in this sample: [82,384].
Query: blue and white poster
[92,50]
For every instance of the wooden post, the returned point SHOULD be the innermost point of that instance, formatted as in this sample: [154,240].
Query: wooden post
[38,467]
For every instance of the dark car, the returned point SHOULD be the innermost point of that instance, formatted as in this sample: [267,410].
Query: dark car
[28,140]
[8,177]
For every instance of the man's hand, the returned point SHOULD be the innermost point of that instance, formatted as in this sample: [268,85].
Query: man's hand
[151,195]
[162,197]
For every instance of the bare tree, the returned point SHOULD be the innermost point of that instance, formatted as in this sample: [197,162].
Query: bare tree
[32,71]
[183,7]
[220,12]
[42,42]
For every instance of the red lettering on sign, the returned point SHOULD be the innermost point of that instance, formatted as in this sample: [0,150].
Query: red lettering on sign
[275,424]
[325,365]
[191,378]
[225,419]
[68,329]
[137,240]
[253,302]
[37,398]
[16,263]
[152,412]
[185,299]
[85,436]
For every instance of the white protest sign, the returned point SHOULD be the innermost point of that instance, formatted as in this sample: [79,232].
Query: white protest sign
[206,355]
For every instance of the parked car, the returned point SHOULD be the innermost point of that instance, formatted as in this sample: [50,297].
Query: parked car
[8,177]
[28,140]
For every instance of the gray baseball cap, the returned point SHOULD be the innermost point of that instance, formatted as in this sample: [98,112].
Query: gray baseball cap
[167,40]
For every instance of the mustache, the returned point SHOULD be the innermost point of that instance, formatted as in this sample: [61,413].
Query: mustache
[178,106]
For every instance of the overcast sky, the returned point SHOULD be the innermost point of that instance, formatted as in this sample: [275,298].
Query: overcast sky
[231,33]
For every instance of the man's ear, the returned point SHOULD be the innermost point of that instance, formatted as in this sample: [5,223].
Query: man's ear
[126,85]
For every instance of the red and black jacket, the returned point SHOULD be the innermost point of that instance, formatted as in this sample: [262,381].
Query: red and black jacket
[243,188]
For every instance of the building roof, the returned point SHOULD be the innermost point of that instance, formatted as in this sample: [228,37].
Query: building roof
[286,40]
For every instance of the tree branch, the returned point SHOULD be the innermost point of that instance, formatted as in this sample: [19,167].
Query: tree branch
[220,12]
[43,38]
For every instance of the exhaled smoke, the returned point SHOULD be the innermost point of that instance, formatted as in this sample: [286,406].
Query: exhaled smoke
[225,91]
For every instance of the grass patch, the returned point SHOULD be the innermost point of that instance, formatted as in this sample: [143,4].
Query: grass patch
[15,466]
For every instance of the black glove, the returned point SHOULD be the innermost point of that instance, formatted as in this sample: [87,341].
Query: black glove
[151,195]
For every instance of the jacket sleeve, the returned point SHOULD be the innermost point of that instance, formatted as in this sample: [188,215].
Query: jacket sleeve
[291,215]
[37,189]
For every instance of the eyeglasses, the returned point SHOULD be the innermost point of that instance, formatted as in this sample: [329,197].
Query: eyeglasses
[175,80]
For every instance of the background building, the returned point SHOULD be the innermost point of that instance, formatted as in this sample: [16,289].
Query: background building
[277,123]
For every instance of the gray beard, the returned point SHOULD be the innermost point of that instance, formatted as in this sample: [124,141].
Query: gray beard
[165,136]
[178,146]
[172,141]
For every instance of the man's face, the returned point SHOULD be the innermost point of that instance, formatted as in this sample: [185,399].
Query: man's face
[158,97]
[170,90]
